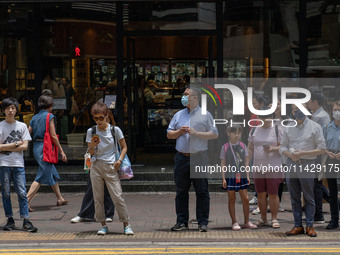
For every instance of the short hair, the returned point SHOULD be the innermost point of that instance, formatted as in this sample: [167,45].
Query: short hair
[151,77]
[337,102]
[98,108]
[8,102]
[318,96]
[196,90]
[45,102]
[47,92]
[262,99]
[263,117]
[234,128]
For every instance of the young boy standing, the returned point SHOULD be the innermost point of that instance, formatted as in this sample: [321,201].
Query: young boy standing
[14,137]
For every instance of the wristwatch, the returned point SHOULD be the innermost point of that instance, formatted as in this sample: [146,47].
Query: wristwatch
[16,144]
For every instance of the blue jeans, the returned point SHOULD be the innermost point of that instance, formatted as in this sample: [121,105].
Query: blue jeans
[183,183]
[17,174]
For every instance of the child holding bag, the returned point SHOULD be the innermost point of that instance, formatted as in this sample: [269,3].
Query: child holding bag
[234,155]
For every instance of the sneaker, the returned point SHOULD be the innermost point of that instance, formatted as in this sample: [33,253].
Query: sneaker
[77,219]
[319,221]
[128,230]
[179,227]
[108,220]
[253,201]
[203,228]
[9,225]
[256,211]
[281,209]
[103,230]
[28,226]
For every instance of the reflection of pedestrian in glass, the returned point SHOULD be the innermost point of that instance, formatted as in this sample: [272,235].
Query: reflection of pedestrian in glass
[301,144]
[332,137]
[192,130]
[235,154]
[321,117]
[263,147]
[149,91]
[14,138]
[47,173]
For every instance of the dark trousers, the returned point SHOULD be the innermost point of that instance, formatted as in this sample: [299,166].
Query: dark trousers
[320,192]
[87,205]
[333,193]
[280,191]
[183,183]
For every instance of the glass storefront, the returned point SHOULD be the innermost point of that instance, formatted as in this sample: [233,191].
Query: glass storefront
[176,42]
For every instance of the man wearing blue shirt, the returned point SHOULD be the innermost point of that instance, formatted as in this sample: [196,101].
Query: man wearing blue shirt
[321,117]
[302,144]
[192,130]
[332,137]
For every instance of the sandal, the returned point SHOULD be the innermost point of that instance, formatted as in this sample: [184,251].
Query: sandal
[250,225]
[261,223]
[62,202]
[235,226]
[275,224]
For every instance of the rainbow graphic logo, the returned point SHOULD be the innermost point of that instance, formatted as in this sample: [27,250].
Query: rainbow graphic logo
[210,94]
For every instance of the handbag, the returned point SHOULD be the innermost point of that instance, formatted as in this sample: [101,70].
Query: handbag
[87,161]
[50,151]
[125,171]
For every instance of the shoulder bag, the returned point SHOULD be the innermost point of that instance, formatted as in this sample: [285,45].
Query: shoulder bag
[50,151]
[125,171]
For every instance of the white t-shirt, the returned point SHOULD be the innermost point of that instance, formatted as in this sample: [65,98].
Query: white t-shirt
[106,148]
[266,136]
[10,133]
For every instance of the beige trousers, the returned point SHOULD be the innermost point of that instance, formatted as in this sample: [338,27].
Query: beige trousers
[106,173]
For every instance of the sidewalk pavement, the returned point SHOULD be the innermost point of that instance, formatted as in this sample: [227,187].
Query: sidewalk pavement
[152,216]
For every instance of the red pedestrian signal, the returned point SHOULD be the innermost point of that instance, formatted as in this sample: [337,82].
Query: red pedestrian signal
[77,52]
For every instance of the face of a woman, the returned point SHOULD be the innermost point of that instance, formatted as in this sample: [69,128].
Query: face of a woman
[101,120]
[278,108]
[256,104]
[336,107]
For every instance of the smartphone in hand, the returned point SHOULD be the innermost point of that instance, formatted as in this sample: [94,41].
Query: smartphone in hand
[95,138]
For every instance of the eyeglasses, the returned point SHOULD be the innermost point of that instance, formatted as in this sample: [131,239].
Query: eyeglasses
[101,118]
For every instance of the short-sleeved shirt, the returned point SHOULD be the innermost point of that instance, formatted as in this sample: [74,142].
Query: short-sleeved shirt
[304,137]
[332,137]
[10,133]
[223,151]
[149,96]
[195,119]
[321,117]
[266,136]
[107,147]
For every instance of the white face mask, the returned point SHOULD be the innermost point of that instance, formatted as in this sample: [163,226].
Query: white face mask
[336,115]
